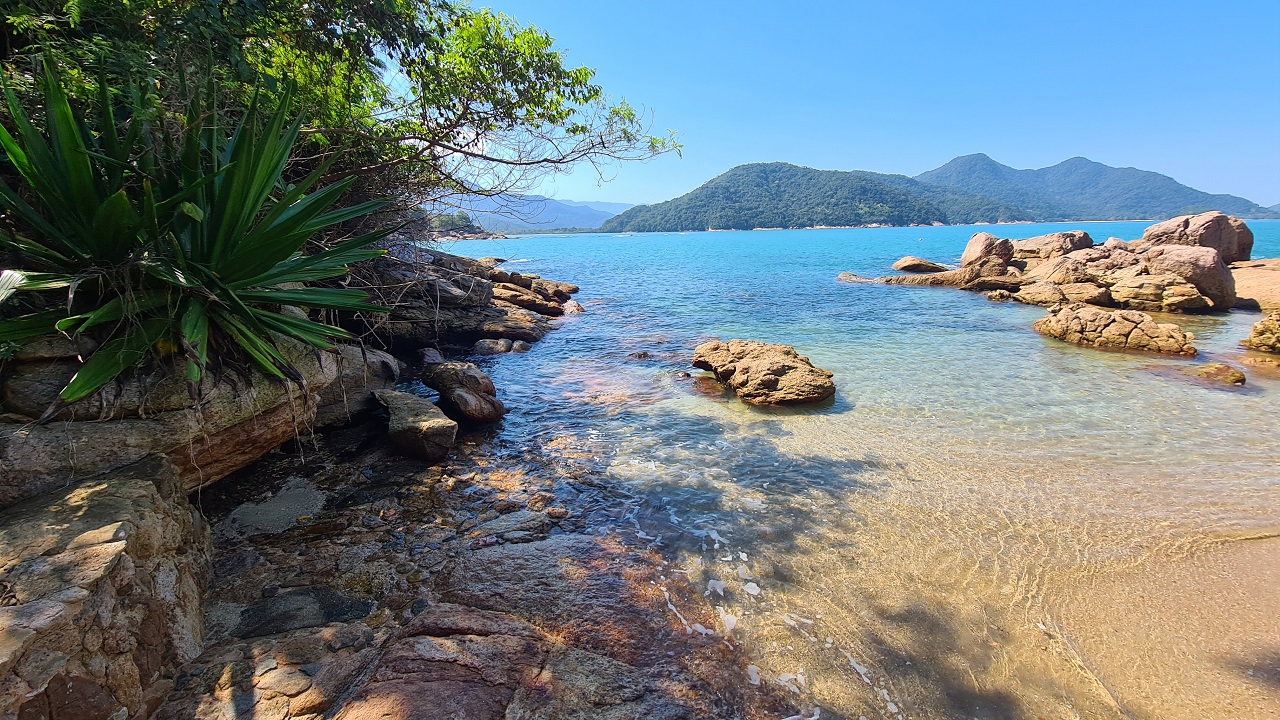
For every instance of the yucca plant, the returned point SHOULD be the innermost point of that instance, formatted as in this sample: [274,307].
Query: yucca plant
[191,246]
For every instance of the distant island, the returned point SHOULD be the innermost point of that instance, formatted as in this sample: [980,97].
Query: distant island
[969,189]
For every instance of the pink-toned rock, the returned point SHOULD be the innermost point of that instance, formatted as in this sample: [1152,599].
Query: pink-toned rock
[984,245]
[1228,235]
[1200,266]
[911,263]
[1037,249]
[1091,326]
[764,374]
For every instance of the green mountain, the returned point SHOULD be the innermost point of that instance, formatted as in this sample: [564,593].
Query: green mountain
[1080,189]
[780,195]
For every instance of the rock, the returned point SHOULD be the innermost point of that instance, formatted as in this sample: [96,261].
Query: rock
[763,374]
[104,574]
[297,609]
[491,261]
[429,356]
[1217,372]
[1062,271]
[239,421]
[999,295]
[527,299]
[1158,293]
[1036,250]
[1103,259]
[491,347]
[465,391]
[984,268]
[55,347]
[1090,326]
[1040,293]
[1265,335]
[361,371]
[417,428]
[573,307]
[553,290]
[912,263]
[852,278]
[1258,281]
[1086,292]
[1200,266]
[1006,283]
[984,245]
[1228,235]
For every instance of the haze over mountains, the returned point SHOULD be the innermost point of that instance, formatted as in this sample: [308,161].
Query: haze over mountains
[534,213]
[969,189]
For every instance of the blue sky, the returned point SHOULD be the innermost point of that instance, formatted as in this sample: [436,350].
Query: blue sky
[1189,89]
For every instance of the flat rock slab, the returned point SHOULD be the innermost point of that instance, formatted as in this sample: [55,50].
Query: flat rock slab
[911,263]
[297,609]
[764,374]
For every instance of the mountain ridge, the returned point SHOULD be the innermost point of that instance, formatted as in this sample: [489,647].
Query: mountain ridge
[968,189]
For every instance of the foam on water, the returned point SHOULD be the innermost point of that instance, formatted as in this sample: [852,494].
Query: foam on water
[942,538]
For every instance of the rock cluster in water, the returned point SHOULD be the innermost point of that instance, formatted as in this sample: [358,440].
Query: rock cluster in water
[1179,265]
[765,374]
[1091,326]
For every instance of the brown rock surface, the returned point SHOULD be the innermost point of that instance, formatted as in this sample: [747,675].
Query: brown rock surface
[1040,293]
[1228,235]
[984,268]
[984,245]
[465,391]
[1265,335]
[1259,281]
[764,374]
[1217,373]
[417,428]
[1200,266]
[911,263]
[1037,249]
[361,371]
[1090,326]
[105,595]
[1158,293]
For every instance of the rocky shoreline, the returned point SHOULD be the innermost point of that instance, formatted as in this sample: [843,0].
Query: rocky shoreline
[387,560]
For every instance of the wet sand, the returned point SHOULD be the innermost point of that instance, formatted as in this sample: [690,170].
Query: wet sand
[1186,638]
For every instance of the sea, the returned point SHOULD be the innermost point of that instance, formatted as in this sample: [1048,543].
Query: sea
[982,523]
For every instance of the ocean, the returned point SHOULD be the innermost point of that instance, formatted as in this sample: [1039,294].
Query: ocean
[983,522]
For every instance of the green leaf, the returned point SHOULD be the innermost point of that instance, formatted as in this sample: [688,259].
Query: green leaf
[10,281]
[114,358]
[192,210]
[26,327]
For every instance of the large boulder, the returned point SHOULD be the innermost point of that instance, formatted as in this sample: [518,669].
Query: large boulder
[1040,293]
[466,392]
[1265,335]
[1158,293]
[528,299]
[765,374]
[361,371]
[984,245]
[1062,270]
[1091,326]
[911,263]
[1036,250]
[1228,235]
[1200,266]
[416,427]
[104,595]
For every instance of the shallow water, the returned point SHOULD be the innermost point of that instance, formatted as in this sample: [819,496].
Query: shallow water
[945,537]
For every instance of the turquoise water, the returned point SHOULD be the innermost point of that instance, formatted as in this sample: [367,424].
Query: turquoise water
[913,541]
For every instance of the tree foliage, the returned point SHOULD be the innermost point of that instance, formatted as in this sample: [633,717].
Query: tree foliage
[417,98]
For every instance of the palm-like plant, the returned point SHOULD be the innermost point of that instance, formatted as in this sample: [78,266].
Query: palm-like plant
[194,245]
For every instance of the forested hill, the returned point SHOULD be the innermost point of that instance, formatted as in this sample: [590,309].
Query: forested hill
[779,195]
[1080,189]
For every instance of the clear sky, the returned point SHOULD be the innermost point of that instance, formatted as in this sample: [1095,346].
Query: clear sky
[1189,89]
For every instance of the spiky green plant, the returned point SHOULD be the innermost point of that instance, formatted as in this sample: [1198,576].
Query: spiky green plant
[193,246]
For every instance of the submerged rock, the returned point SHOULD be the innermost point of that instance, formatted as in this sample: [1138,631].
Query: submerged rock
[573,307]
[417,428]
[1090,326]
[1265,335]
[852,278]
[491,347]
[911,263]
[765,374]
[1217,372]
